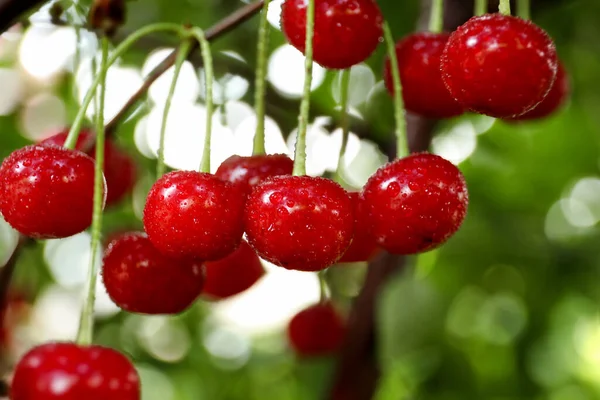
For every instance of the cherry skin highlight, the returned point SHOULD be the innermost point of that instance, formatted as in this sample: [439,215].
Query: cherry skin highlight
[423,90]
[299,222]
[47,192]
[499,65]
[119,168]
[246,172]
[345,32]
[316,331]
[194,215]
[233,274]
[139,279]
[67,371]
[363,246]
[415,204]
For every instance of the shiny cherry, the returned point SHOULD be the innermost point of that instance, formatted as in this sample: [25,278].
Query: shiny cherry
[47,192]
[233,274]
[346,32]
[194,215]
[423,90]
[139,279]
[363,246]
[499,65]
[415,204]
[67,371]
[316,331]
[299,222]
[246,172]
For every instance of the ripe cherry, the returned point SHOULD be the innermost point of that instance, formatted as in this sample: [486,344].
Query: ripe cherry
[119,168]
[499,65]
[299,222]
[67,371]
[194,215]
[139,279]
[246,172]
[233,274]
[47,191]
[363,246]
[415,204]
[316,331]
[423,90]
[345,32]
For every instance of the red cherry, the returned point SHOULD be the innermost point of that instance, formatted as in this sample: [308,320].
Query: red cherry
[194,215]
[363,246]
[67,371]
[139,279]
[556,98]
[299,222]
[246,172]
[233,274]
[346,32]
[423,90]
[499,65]
[47,192]
[415,204]
[316,331]
[119,168]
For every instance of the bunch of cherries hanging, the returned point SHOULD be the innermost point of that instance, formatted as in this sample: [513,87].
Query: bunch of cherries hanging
[193,245]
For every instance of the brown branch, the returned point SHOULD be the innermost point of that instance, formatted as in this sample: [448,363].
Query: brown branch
[12,10]
[6,274]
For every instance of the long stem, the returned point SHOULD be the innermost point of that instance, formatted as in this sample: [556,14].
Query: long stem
[122,48]
[209,77]
[481,7]
[524,9]
[86,325]
[182,54]
[300,154]
[436,18]
[260,82]
[401,138]
[344,85]
[504,7]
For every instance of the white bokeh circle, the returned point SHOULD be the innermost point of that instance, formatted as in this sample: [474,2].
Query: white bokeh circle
[286,72]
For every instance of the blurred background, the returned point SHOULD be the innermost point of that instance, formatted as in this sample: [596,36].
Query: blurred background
[506,310]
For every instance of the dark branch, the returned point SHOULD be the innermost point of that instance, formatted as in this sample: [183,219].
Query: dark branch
[12,10]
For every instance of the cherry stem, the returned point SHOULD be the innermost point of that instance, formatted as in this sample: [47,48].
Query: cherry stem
[436,18]
[118,52]
[481,7]
[401,138]
[322,286]
[344,86]
[182,53]
[524,9]
[209,77]
[504,7]
[86,324]
[300,154]
[260,81]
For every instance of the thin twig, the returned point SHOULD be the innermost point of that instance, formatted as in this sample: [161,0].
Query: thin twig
[7,272]
[12,10]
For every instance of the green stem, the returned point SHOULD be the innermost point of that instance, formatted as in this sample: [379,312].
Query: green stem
[209,78]
[182,54]
[86,325]
[260,82]
[436,18]
[504,7]
[481,7]
[524,9]
[300,154]
[344,85]
[401,139]
[118,52]
[322,286]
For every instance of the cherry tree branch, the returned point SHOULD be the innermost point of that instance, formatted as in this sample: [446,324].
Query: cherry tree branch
[12,10]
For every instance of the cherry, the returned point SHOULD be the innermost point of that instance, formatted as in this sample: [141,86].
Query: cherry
[316,331]
[423,90]
[233,274]
[299,222]
[67,371]
[363,246]
[47,191]
[194,215]
[345,32]
[499,65]
[554,100]
[415,204]
[139,279]
[246,172]
[119,168]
